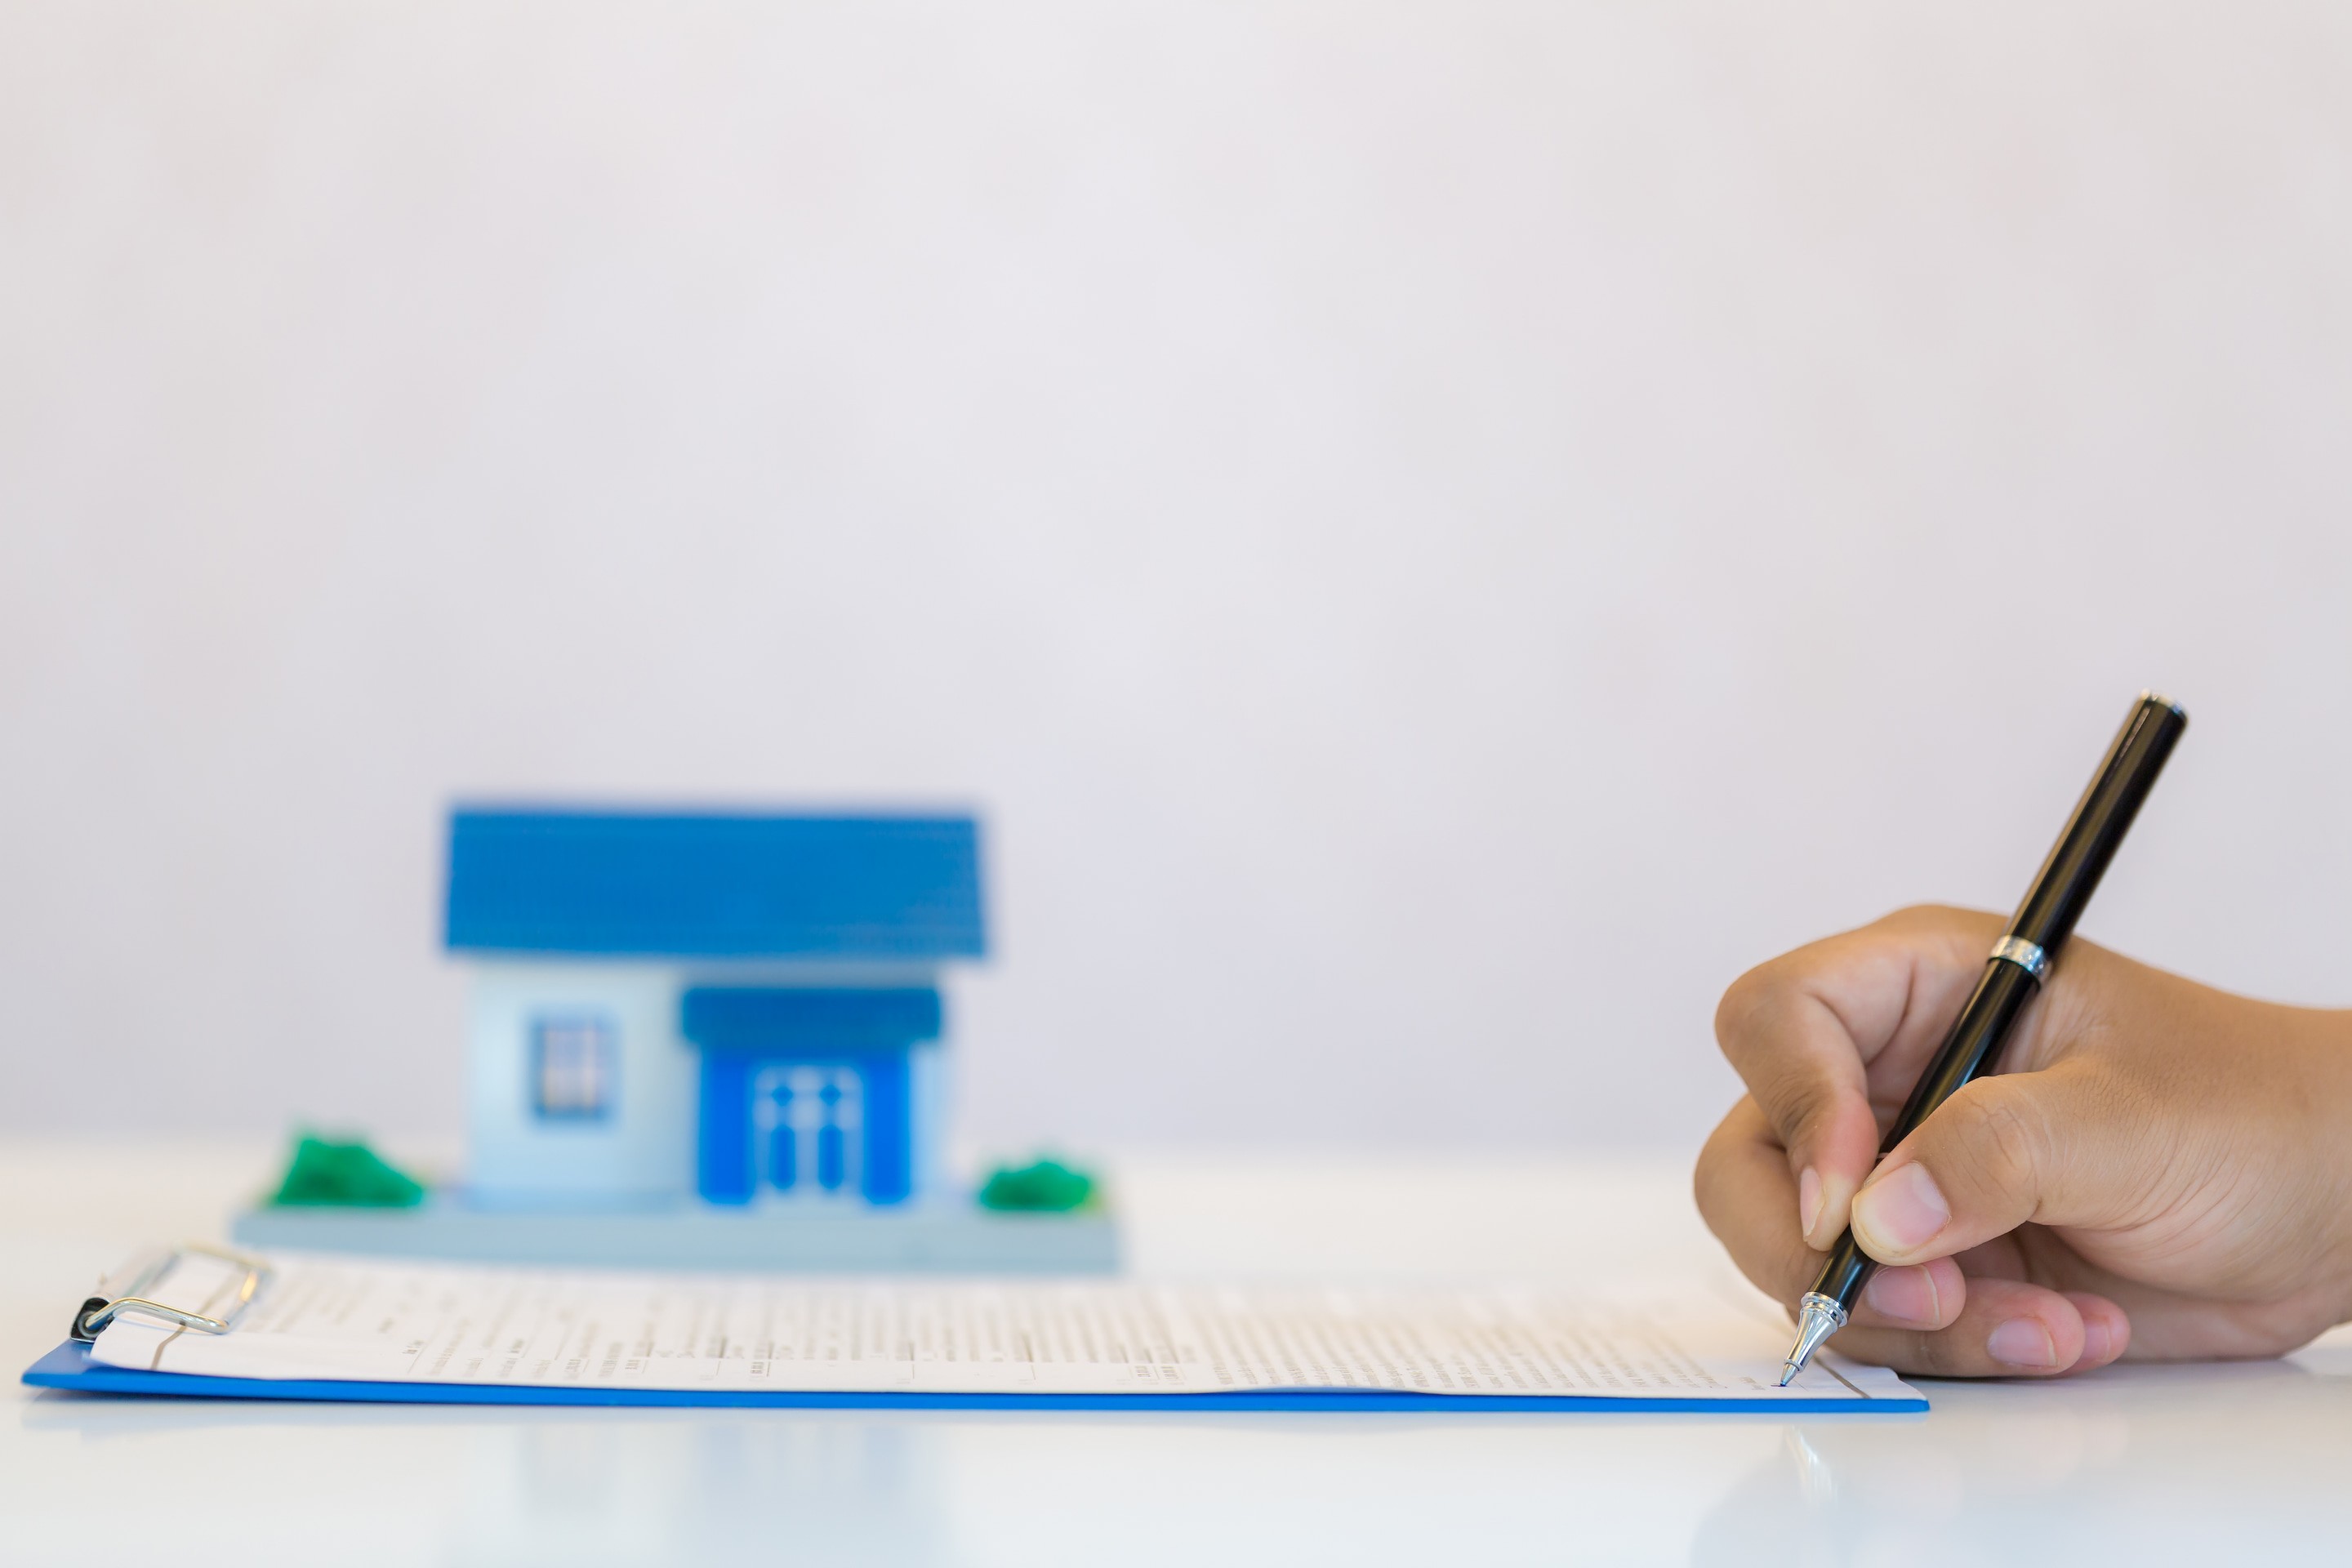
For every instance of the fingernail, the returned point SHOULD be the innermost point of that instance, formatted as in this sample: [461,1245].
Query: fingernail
[2023,1342]
[1809,1202]
[1899,1211]
[1902,1296]
[2098,1345]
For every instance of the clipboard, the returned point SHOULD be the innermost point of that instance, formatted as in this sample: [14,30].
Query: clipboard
[71,1367]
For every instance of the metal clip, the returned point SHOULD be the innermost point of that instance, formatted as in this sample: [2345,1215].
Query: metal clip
[101,1310]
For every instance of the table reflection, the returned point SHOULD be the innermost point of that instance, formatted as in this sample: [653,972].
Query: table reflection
[2206,1465]
[2144,1465]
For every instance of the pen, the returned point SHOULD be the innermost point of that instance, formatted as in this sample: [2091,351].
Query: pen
[2018,963]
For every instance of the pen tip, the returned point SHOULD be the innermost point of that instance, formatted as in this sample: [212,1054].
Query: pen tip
[1818,1317]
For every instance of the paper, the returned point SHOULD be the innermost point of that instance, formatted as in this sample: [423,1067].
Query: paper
[337,1318]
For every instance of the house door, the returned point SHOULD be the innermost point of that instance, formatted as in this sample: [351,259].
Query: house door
[808,1126]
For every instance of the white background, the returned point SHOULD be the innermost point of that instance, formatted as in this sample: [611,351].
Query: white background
[1436,533]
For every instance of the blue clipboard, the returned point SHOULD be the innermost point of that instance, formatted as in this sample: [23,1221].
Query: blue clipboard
[69,1366]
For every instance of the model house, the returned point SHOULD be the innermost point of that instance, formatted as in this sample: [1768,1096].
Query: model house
[704,1039]
[742,1008]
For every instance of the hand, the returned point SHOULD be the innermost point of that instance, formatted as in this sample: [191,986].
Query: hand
[2158,1169]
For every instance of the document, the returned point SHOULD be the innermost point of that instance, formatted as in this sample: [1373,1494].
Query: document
[335,1318]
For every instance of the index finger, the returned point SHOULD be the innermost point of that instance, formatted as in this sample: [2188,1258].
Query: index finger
[1804,1030]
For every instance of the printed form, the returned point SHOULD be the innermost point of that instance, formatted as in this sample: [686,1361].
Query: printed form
[340,1319]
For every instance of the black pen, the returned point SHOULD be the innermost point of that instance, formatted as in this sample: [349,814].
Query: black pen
[2021,961]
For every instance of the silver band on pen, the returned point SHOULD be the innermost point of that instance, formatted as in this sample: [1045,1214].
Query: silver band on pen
[2023,954]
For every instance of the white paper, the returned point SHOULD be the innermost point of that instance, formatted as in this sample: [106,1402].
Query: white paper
[333,1317]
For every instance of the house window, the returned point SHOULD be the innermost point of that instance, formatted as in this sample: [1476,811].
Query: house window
[574,1058]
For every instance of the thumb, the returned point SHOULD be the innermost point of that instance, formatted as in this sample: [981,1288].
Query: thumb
[2040,1147]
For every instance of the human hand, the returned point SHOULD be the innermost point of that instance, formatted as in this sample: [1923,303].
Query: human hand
[2158,1170]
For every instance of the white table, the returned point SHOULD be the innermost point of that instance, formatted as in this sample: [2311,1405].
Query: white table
[2206,1465]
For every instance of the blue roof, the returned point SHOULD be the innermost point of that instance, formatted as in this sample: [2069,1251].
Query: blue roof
[707,884]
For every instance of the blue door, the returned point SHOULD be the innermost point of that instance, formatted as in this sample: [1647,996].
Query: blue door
[805,1093]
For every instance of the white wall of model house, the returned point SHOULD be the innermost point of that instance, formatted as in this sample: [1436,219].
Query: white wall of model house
[639,1151]
[642,1149]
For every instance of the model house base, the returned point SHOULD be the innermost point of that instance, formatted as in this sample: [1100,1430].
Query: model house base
[912,1237]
